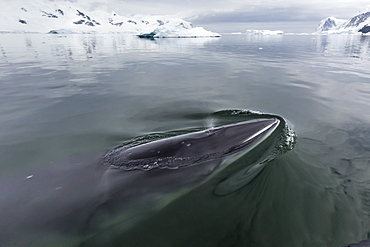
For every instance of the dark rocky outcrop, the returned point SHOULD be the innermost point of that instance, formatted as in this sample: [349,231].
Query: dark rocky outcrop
[50,15]
[365,29]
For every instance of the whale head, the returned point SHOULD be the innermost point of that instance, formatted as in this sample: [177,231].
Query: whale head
[195,147]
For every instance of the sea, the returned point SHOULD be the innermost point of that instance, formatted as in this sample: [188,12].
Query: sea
[77,95]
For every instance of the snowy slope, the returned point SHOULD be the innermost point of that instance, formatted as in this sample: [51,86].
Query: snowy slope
[332,25]
[68,17]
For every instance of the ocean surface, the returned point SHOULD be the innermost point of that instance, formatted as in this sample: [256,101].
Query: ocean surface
[68,96]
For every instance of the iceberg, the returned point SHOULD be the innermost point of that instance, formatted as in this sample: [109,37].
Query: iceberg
[264,32]
[178,30]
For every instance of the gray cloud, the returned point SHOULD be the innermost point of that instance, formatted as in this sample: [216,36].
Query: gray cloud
[285,11]
[262,15]
[71,1]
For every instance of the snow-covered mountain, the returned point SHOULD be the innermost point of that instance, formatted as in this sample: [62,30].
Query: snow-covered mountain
[329,24]
[358,23]
[67,17]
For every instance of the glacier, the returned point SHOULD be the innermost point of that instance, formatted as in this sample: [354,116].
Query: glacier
[34,16]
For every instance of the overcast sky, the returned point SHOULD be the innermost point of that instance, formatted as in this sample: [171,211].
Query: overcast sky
[238,10]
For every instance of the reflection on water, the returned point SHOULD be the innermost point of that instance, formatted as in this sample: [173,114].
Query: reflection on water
[356,46]
[26,47]
[69,95]
[263,38]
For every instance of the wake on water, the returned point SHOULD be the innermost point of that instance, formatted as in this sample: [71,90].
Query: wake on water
[317,194]
[216,211]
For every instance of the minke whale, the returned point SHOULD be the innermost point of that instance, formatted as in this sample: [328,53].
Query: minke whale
[68,203]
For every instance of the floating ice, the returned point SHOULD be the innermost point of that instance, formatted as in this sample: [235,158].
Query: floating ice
[264,32]
[178,30]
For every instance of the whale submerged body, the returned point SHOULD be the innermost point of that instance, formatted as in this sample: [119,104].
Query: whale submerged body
[91,200]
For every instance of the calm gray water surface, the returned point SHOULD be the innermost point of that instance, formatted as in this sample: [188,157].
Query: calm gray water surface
[67,96]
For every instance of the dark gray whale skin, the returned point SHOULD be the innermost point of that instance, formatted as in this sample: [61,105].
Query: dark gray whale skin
[192,148]
[363,243]
[64,204]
